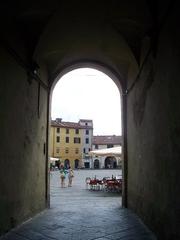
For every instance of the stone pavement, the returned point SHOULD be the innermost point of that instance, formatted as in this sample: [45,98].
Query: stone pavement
[80,214]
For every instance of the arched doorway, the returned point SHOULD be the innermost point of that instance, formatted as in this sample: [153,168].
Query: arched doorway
[96,163]
[110,162]
[62,75]
[66,163]
[76,164]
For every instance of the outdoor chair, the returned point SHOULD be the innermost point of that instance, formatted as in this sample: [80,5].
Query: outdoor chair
[113,185]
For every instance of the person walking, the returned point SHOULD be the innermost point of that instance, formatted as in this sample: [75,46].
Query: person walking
[70,177]
[62,176]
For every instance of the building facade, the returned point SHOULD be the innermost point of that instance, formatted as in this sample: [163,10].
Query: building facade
[102,142]
[87,136]
[70,142]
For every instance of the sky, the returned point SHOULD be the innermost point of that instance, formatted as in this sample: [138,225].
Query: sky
[87,93]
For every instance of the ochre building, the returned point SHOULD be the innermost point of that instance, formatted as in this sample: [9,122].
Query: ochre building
[67,141]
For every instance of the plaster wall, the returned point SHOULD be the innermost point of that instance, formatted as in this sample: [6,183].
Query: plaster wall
[23,135]
[153,134]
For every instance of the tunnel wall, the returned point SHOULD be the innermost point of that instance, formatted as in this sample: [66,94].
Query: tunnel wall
[23,134]
[153,132]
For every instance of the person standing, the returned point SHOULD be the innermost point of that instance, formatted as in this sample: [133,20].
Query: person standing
[70,177]
[62,176]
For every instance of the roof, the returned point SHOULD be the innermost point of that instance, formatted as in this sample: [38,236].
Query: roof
[107,139]
[59,123]
[85,120]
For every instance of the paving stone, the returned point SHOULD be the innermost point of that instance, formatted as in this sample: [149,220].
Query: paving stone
[79,214]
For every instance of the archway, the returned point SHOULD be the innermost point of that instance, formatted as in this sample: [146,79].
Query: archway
[101,45]
[66,163]
[76,163]
[102,40]
[115,78]
[87,165]
[96,164]
[110,162]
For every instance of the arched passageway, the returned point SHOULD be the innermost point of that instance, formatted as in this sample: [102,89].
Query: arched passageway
[141,49]
[96,164]
[110,162]
[76,163]
[66,163]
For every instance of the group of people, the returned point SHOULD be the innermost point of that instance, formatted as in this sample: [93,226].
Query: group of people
[66,172]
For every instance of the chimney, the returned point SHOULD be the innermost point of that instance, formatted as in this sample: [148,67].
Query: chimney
[58,120]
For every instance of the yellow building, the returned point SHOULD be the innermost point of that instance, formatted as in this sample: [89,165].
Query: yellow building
[66,142]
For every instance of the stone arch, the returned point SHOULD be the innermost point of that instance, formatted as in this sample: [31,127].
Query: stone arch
[117,78]
[110,162]
[101,47]
[76,163]
[89,63]
[96,164]
[62,48]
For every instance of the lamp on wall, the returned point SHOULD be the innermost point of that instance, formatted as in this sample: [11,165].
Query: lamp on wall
[34,67]
[32,71]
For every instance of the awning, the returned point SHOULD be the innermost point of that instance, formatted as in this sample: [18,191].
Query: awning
[53,159]
[115,151]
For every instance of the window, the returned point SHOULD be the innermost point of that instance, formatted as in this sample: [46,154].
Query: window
[57,139]
[89,149]
[66,150]
[84,150]
[67,130]
[58,130]
[76,150]
[77,140]
[57,150]
[67,139]
[86,123]
[87,132]
[77,131]
[96,146]
[110,145]
[87,140]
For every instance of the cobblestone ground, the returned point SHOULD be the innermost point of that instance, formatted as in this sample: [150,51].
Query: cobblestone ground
[80,214]
[78,195]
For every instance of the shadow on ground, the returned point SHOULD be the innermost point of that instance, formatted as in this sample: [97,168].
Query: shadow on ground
[79,214]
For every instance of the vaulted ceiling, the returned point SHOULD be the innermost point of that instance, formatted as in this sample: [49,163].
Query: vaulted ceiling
[56,31]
